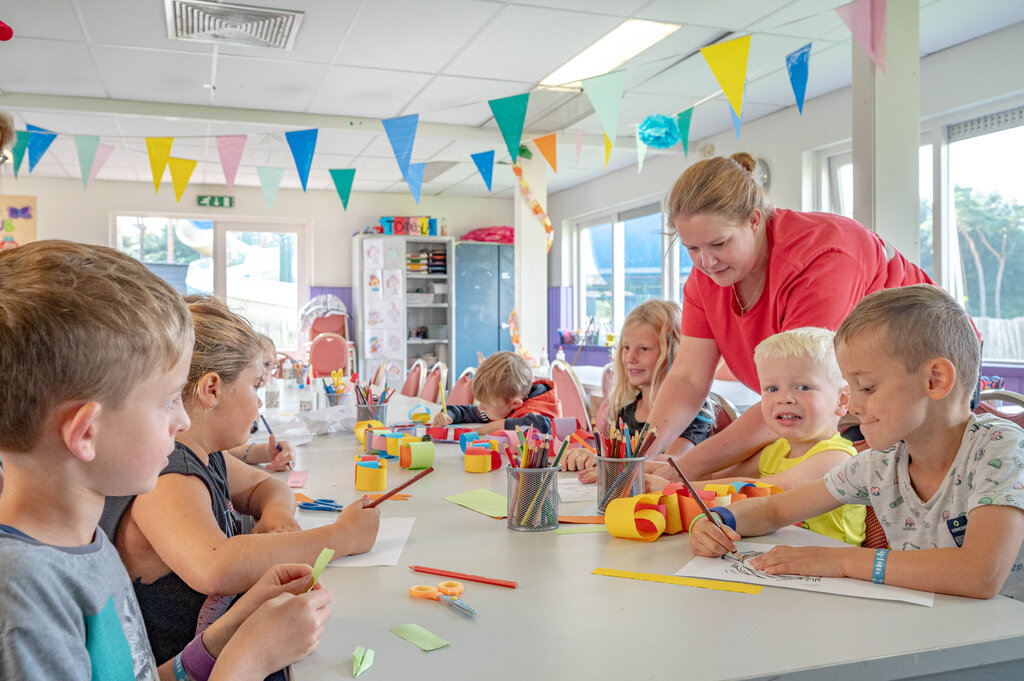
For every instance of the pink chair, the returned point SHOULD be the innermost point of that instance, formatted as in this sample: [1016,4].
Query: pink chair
[602,420]
[328,352]
[570,391]
[433,384]
[462,391]
[414,379]
[334,323]
[1005,396]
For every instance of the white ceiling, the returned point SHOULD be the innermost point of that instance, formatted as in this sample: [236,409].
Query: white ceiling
[374,59]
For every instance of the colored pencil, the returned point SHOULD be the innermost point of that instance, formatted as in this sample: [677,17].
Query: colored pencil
[267,426]
[583,442]
[405,484]
[700,502]
[462,575]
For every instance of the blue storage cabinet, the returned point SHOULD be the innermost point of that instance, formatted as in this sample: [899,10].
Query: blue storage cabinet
[485,290]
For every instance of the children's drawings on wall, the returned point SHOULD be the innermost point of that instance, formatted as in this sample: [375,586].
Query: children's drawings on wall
[392,283]
[373,254]
[731,570]
[383,314]
[393,344]
[372,285]
[374,344]
[18,221]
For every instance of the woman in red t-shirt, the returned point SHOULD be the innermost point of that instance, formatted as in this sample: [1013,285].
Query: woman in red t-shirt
[757,271]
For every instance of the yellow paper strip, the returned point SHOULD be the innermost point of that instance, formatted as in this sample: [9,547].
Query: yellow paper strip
[681,581]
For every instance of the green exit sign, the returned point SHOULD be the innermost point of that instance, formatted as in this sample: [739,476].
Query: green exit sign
[217,201]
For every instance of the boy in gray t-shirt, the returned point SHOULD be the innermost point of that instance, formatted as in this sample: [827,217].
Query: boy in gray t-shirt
[947,486]
[94,351]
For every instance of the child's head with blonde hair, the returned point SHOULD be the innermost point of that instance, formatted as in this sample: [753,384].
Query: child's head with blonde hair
[652,328]
[501,384]
[79,323]
[225,344]
[803,394]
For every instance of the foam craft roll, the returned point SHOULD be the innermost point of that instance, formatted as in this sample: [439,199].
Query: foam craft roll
[371,476]
[417,455]
[621,516]
[481,460]
[361,429]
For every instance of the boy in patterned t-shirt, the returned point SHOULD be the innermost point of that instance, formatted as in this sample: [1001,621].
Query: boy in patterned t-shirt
[947,486]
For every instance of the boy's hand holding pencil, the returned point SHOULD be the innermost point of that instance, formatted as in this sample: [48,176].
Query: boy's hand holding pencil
[441,420]
[709,541]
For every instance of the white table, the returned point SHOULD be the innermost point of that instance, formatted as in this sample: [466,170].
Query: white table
[564,623]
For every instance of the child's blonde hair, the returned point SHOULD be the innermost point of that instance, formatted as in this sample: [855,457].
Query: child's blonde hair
[919,322]
[502,376]
[808,342]
[225,343]
[665,318]
[79,323]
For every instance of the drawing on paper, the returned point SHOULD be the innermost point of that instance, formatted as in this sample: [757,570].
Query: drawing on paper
[743,568]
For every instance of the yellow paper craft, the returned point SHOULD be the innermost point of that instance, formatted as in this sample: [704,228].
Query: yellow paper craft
[720,490]
[477,461]
[361,429]
[395,446]
[621,518]
[673,513]
[681,581]
[416,455]
[370,477]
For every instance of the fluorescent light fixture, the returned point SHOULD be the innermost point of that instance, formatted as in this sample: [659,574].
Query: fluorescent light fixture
[627,40]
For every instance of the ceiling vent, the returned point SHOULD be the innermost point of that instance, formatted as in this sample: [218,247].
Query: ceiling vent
[225,23]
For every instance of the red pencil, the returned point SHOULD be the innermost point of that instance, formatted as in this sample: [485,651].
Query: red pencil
[468,578]
[398,489]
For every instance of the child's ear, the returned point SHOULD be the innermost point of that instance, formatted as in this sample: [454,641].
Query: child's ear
[78,429]
[941,377]
[516,403]
[844,401]
[209,389]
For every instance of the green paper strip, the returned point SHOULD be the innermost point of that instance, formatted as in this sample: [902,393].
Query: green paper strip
[421,455]
[417,635]
[580,529]
[362,659]
[482,501]
[321,563]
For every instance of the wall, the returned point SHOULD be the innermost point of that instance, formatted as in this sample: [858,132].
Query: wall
[955,79]
[67,211]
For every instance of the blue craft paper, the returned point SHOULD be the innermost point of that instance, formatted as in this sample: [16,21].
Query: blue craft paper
[414,178]
[797,65]
[302,143]
[402,133]
[39,141]
[485,164]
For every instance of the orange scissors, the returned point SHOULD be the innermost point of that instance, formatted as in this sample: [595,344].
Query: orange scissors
[446,592]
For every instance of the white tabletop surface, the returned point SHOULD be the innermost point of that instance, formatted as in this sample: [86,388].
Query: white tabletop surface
[565,623]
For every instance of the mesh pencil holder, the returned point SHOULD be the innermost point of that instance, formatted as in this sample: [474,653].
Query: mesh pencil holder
[336,399]
[618,478]
[532,498]
[372,412]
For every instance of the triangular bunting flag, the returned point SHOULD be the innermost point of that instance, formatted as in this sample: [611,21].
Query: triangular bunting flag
[103,152]
[728,61]
[302,143]
[414,178]
[796,64]
[229,148]
[683,123]
[402,133]
[159,149]
[343,183]
[605,93]
[509,113]
[866,21]
[736,122]
[20,145]
[270,180]
[484,161]
[86,145]
[548,145]
[579,145]
[607,150]
[181,173]
[641,152]
[39,141]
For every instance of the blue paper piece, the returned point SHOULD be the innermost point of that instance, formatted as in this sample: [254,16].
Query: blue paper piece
[402,134]
[797,65]
[38,143]
[302,143]
[736,121]
[414,178]
[485,164]
[660,132]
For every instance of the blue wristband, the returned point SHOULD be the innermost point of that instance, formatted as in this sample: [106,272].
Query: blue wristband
[878,572]
[726,515]
[179,669]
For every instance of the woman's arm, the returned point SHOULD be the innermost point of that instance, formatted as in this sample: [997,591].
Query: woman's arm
[683,391]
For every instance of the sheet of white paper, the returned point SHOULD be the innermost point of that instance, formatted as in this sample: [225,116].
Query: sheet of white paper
[570,489]
[391,537]
[729,569]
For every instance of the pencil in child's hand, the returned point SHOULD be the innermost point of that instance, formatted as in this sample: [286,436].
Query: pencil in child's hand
[700,502]
[267,426]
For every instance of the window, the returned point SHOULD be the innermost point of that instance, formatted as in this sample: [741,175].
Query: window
[624,260]
[257,269]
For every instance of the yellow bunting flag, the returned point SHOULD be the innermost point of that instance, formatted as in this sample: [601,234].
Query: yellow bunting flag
[549,148]
[159,149]
[728,61]
[607,150]
[181,173]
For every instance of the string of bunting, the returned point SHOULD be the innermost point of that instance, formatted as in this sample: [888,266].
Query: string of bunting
[728,62]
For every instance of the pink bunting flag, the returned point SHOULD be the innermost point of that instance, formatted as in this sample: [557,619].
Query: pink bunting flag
[866,21]
[103,152]
[230,148]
